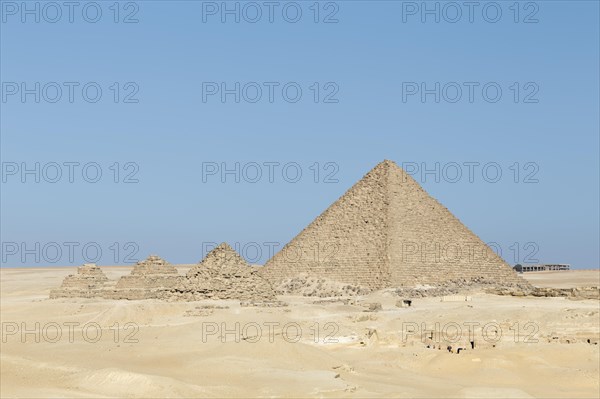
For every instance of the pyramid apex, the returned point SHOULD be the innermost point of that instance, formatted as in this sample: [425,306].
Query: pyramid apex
[388,164]
[222,256]
[152,259]
[224,245]
[223,249]
[389,167]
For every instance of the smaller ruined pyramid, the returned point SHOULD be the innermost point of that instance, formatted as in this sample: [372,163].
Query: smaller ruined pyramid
[147,280]
[154,264]
[87,283]
[224,274]
[222,258]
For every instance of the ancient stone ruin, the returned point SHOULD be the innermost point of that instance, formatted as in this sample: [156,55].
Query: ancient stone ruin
[386,231]
[306,285]
[222,274]
[87,283]
[148,279]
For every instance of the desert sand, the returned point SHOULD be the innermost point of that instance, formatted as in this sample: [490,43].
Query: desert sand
[153,348]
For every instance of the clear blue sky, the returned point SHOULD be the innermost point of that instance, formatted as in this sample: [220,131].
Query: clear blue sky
[372,61]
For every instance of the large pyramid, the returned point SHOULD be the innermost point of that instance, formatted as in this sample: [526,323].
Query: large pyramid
[386,231]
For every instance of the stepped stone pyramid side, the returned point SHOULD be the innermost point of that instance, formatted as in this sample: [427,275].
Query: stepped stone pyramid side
[346,243]
[87,283]
[153,265]
[147,280]
[386,231]
[223,274]
[221,258]
[427,244]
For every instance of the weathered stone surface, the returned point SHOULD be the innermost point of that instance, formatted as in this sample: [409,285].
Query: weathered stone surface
[222,274]
[464,286]
[306,285]
[386,231]
[148,279]
[153,265]
[87,283]
[570,293]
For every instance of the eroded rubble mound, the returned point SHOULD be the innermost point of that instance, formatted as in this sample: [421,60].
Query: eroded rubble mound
[312,286]
[87,283]
[306,285]
[222,274]
[570,293]
[464,286]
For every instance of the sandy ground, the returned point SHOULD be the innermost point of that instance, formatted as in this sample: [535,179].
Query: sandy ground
[564,279]
[156,349]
